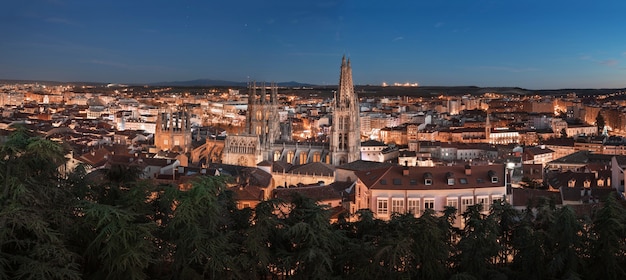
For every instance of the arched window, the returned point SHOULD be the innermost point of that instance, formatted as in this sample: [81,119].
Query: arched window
[317,157]
[276,155]
[342,160]
[290,155]
[340,146]
[302,157]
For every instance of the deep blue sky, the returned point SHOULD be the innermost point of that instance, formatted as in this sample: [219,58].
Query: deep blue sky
[526,43]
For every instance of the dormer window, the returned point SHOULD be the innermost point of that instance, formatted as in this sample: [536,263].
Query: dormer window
[571,183]
[428,178]
[450,178]
[492,176]
[600,183]
[587,184]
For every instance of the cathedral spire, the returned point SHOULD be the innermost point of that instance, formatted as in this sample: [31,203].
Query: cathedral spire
[345,142]
[345,92]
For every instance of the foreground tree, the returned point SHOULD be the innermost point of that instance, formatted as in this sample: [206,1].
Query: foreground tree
[608,241]
[34,211]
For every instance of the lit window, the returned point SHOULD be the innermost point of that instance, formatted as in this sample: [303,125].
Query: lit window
[453,202]
[466,202]
[382,208]
[484,200]
[429,203]
[397,205]
[413,206]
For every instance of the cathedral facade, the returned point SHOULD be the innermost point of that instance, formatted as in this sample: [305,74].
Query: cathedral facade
[173,130]
[266,138]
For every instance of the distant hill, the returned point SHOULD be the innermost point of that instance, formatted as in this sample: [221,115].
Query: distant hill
[222,83]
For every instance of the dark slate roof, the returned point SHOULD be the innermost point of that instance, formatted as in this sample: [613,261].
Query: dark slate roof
[557,180]
[281,166]
[533,171]
[317,168]
[393,178]
[565,142]
[591,195]
[533,151]
[372,143]
[407,154]
[525,197]
[585,157]
[256,177]
[318,193]
[360,165]
[264,163]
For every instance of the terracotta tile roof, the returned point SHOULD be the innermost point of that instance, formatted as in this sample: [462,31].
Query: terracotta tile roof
[534,151]
[247,193]
[96,157]
[394,178]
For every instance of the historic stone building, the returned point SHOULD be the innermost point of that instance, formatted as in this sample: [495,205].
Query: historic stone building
[345,140]
[265,138]
[173,131]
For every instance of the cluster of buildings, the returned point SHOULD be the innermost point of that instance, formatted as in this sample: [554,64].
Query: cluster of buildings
[389,155]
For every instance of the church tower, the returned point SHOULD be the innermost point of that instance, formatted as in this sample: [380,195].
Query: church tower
[262,118]
[345,140]
[173,130]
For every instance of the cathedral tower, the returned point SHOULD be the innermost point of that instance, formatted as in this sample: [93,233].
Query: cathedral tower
[345,140]
[262,118]
[173,130]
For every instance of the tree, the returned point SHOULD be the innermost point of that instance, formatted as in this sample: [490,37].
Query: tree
[478,247]
[566,243]
[608,242]
[35,211]
[600,122]
[199,232]
[309,243]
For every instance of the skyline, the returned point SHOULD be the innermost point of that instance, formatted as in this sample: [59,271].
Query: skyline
[533,45]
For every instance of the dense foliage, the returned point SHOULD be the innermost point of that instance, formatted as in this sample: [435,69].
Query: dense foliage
[120,227]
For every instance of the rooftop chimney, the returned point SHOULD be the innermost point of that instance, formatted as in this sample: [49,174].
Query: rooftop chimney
[468,170]
[405,171]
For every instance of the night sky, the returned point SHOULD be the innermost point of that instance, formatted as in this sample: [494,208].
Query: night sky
[542,44]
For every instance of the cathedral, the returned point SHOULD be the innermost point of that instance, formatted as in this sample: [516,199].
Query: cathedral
[266,138]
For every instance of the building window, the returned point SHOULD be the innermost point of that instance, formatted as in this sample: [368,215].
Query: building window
[413,206]
[466,202]
[497,198]
[428,182]
[290,157]
[397,205]
[302,158]
[453,202]
[317,157]
[276,155]
[484,200]
[382,208]
[429,203]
